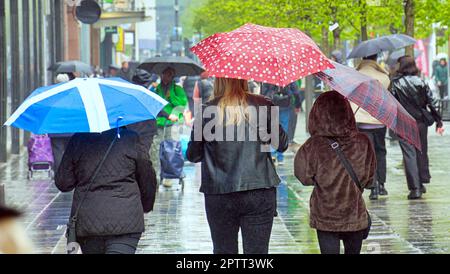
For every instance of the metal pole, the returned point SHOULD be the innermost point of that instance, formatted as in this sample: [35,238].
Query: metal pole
[309,95]
[177,23]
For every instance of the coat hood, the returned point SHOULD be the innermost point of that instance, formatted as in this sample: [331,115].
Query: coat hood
[332,116]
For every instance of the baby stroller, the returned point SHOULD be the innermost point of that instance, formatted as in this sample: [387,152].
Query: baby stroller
[40,155]
[172,160]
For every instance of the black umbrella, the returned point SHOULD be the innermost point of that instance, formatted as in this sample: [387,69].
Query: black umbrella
[70,67]
[380,44]
[183,66]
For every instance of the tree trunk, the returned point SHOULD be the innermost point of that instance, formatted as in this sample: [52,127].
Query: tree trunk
[363,14]
[325,43]
[337,38]
[409,23]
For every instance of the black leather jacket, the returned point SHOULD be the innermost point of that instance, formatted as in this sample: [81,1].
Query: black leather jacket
[236,165]
[414,94]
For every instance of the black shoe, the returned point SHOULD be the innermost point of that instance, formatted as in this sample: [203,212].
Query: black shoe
[373,194]
[415,194]
[423,189]
[382,190]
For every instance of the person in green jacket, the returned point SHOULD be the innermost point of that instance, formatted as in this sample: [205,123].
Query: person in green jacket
[441,77]
[171,114]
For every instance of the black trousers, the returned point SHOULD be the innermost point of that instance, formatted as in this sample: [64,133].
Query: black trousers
[330,242]
[293,119]
[251,211]
[416,162]
[443,91]
[378,139]
[121,244]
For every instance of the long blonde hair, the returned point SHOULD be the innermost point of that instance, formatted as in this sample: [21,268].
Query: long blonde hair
[233,102]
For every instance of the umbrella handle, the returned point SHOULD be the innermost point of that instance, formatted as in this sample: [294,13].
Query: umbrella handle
[120,118]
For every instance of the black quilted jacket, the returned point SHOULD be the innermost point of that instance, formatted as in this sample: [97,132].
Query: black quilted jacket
[124,189]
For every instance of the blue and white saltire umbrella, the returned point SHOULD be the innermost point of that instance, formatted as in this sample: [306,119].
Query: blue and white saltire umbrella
[86,105]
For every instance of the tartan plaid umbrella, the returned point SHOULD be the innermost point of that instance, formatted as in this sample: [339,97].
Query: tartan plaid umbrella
[277,56]
[370,95]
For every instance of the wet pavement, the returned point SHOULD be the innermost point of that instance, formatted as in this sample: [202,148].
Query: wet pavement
[178,223]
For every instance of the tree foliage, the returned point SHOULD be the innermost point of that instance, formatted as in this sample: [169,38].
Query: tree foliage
[357,19]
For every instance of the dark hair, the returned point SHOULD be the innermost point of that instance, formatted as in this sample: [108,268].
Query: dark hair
[71,76]
[407,66]
[371,57]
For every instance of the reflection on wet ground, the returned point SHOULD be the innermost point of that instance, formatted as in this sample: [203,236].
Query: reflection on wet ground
[179,225]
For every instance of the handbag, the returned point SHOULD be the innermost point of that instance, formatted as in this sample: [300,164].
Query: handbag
[73,247]
[337,148]
[427,117]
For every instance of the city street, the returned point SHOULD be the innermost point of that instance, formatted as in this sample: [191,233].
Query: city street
[178,224]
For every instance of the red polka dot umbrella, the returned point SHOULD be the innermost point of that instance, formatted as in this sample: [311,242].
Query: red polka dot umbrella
[277,56]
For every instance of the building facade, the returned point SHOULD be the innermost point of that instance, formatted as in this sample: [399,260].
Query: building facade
[31,39]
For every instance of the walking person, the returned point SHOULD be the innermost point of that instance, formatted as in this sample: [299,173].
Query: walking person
[147,130]
[110,209]
[441,77]
[239,179]
[177,103]
[338,211]
[417,98]
[282,98]
[296,105]
[374,129]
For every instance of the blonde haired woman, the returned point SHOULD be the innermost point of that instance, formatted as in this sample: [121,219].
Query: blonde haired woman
[239,179]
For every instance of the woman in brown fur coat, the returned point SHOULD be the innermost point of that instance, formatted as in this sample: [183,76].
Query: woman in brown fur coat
[338,211]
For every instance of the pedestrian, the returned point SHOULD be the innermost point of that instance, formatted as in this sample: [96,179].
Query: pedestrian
[374,129]
[338,211]
[417,98]
[204,90]
[13,239]
[125,71]
[282,98]
[110,212]
[296,105]
[59,141]
[239,179]
[441,78]
[189,87]
[177,103]
[113,71]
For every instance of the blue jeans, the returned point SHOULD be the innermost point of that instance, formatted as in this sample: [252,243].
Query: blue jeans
[285,114]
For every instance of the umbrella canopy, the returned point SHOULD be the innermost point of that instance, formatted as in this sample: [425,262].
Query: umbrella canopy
[70,67]
[380,44]
[184,66]
[277,56]
[394,56]
[86,105]
[369,94]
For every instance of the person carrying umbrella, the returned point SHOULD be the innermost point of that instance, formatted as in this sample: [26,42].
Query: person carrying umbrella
[178,101]
[104,164]
[374,129]
[238,178]
[417,98]
[339,162]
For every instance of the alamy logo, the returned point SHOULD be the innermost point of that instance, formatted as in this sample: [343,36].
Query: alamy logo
[73,3]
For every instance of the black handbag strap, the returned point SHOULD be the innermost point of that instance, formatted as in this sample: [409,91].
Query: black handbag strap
[337,148]
[91,181]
